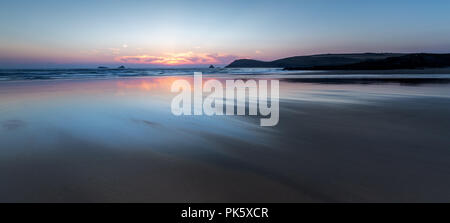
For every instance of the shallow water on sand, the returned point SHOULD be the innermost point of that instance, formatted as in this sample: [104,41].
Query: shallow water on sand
[117,140]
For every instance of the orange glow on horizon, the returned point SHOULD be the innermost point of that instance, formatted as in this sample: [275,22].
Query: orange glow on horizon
[187,58]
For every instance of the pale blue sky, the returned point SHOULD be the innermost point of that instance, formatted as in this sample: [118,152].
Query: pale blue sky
[92,32]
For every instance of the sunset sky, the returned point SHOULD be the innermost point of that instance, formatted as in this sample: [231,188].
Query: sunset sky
[198,33]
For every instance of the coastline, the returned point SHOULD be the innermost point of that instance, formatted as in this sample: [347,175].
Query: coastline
[116,141]
[398,71]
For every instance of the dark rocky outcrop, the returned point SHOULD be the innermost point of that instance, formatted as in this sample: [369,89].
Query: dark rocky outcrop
[310,61]
[409,61]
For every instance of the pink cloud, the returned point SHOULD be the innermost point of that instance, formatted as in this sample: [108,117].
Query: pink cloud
[187,58]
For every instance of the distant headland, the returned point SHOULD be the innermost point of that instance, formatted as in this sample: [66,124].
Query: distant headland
[103,67]
[363,61]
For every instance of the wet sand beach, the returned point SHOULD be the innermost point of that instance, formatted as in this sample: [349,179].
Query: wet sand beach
[115,140]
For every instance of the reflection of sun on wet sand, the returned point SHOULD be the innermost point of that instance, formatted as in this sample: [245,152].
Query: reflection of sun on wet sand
[116,140]
[161,83]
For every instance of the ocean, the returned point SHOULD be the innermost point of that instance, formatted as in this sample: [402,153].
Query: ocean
[50,74]
[304,76]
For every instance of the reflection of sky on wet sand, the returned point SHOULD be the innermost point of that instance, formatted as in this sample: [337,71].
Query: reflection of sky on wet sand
[119,113]
[91,127]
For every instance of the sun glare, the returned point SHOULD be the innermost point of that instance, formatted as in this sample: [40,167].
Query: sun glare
[185,58]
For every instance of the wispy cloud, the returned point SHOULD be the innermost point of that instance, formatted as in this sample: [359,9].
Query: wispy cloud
[186,58]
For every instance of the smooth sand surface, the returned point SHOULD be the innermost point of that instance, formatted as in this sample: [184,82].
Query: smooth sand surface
[116,141]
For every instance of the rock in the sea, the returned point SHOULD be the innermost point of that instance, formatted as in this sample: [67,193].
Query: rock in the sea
[121,67]
[102,67]
[211,66]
